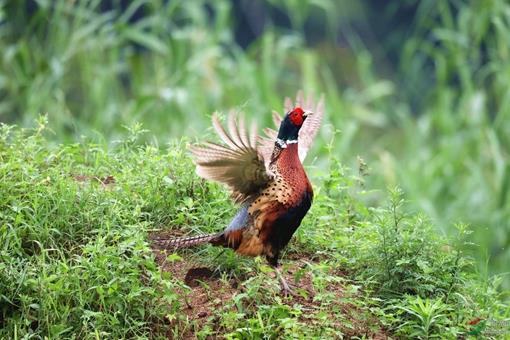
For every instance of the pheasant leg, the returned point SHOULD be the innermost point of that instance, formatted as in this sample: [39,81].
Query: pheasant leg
[286,291]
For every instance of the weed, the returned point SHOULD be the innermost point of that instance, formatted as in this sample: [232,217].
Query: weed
[75,260]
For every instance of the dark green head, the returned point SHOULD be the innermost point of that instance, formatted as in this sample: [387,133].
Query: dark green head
[289,128]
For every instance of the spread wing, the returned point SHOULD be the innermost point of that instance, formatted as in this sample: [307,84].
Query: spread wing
[266,144]
[311,125]
[307,132]
[239,163]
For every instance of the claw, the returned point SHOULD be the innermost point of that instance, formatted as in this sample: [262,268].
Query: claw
[286,291]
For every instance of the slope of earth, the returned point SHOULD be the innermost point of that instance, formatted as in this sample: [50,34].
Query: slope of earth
[246,303]
[76,223]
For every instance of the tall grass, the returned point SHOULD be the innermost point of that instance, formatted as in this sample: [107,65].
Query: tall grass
[436,122]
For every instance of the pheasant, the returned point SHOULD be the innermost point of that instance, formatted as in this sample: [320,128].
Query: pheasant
[266,177]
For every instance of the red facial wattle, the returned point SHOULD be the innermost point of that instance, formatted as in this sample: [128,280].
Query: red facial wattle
[296,116]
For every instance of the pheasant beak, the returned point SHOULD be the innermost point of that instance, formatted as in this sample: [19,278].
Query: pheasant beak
[307,113]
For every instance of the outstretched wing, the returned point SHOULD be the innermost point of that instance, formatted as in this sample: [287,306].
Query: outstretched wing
[239,164]
[307,132]
[311,125]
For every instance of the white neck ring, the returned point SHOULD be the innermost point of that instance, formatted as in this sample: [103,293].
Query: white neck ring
[283,143]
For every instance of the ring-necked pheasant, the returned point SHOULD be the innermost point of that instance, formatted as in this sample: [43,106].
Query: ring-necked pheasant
[266,177]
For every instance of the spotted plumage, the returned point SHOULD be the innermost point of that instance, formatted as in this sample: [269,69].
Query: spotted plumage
[266,177]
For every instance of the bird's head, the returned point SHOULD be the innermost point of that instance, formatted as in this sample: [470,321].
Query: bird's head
[294,119]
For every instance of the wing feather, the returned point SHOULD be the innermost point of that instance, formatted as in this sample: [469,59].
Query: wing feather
[221,132]
[233,129]
[287,105]
[311,125]
[239,164]
[299,99]
[243,135]
[253,134]
[277,119]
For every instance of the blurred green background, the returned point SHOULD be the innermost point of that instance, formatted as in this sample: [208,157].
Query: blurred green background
[418,89]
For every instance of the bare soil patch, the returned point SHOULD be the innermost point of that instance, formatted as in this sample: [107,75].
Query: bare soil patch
[210,291]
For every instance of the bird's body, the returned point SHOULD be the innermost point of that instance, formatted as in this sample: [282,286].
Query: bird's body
[274,214]
[266,177]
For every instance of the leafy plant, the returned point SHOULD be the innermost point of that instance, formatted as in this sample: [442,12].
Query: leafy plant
[428,318]
[405,255]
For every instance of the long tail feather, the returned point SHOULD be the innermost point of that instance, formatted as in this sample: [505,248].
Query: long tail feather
[184,242]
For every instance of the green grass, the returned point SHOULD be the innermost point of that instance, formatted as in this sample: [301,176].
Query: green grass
[435,121]
[425,108]
[76,260]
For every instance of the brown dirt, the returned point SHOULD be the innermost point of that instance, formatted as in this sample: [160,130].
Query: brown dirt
[209,291]
[106,182]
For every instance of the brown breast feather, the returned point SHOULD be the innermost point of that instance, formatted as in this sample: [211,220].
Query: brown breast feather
[283,192]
